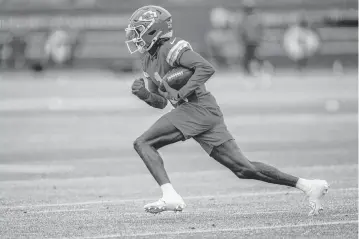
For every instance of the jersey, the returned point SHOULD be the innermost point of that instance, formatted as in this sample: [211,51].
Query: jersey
[167,57]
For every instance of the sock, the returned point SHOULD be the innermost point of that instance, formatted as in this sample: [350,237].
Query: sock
[303,184]
[168,191]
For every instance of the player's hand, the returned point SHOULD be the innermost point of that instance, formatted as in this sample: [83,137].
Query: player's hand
[137,85]
[139,89]
[170,93]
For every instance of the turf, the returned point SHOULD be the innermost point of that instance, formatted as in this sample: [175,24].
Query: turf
[68,168]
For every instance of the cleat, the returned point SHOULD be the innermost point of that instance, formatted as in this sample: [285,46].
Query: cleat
[318,189]
[179,208]
[169,205]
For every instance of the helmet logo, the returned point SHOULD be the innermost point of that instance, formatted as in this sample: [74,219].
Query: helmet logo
[147,16]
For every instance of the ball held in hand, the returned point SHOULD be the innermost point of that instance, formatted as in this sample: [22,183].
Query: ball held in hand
[177,78]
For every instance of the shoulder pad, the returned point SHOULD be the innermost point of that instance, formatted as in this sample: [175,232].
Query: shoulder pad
[174,47]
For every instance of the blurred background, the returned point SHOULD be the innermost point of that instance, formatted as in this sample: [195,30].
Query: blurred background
[286,80]
[90,33]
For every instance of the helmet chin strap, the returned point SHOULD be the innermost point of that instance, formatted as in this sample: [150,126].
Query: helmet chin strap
[153,41]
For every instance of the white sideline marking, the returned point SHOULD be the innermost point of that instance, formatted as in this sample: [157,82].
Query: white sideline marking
[59,211]
[250,194]
[187,212]
[225,229]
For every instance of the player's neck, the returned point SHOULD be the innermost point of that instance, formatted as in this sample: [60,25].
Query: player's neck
[154,49]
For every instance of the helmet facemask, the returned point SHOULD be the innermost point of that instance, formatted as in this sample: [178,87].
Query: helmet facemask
[135,37]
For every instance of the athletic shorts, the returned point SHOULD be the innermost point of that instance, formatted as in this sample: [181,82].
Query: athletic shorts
[197,122]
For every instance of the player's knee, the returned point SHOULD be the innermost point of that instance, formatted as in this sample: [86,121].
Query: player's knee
[138,143]
[246,172]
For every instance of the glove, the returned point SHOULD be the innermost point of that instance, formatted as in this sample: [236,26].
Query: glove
[139,89]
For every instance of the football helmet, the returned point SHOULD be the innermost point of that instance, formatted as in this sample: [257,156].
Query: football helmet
[146,25]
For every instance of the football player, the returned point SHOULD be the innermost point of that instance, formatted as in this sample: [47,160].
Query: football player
[196,113]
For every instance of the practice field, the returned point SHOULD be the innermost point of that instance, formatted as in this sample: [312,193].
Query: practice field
[68,168]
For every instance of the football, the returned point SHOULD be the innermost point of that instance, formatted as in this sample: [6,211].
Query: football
[177,78]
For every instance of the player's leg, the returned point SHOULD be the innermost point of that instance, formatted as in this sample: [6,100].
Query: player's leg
[247,59]
[160,134]
[257,57]
[185,121]
[231,156]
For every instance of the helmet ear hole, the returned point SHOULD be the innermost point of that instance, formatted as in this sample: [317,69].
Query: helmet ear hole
[152,32]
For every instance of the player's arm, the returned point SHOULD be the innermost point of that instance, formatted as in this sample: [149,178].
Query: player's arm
[150,96]
[203,70]
[155,99]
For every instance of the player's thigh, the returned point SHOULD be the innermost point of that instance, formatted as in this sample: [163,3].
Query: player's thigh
[214,137]
[192,119]
[230,155]
[160,134]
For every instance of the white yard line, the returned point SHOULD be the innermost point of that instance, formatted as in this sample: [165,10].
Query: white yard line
[269,119]
[286,211]
[59,211]
[120,201]
[141,214]
[263,228]
[129,102]
[28,168]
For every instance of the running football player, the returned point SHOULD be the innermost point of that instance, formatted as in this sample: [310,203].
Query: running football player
[196,113]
